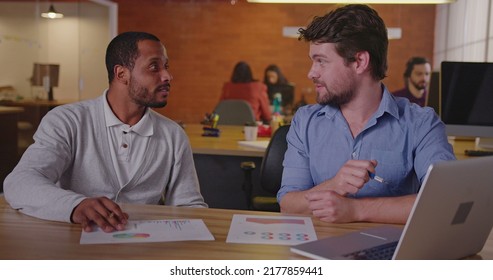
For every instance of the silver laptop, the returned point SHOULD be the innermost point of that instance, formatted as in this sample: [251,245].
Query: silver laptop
[451,219]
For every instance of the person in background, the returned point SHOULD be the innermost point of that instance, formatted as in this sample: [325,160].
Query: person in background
[277,83]
[416,80]
[243,86]
[92,155]
[358,130]
[273,77]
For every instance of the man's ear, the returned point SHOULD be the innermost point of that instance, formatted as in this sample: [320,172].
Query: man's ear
[362,62]
[122,74]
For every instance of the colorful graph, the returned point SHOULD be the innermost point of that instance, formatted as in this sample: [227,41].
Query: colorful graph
[280,235]
[272,230]
[267,221]
[131,235]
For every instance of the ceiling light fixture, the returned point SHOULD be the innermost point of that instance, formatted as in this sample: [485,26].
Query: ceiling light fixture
[52,13]
[353,1]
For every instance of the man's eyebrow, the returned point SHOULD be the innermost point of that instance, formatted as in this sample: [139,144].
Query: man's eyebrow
[317,55]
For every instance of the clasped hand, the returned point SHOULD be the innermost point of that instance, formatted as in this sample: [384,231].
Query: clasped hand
[328,201]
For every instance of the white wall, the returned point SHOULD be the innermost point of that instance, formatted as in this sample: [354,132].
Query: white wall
[77,42]
[19,45]
[463,32]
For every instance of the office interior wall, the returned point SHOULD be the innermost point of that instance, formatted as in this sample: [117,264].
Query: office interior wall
[19,45]
[464,32]
[206,38]
[94,36]
[76,42]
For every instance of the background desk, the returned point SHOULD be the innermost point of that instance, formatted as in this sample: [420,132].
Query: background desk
[29,119]
[460,146]
[217,161]
[34,110]
[24,237]
[8,143]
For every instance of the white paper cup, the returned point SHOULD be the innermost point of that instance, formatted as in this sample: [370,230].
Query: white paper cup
[250,133]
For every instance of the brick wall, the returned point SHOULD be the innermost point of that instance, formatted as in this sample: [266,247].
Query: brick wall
[206,38]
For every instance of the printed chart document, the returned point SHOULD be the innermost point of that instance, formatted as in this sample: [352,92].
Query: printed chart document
[151,231]
[273,230]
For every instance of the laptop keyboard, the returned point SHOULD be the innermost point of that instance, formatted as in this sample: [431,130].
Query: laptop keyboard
[382,252]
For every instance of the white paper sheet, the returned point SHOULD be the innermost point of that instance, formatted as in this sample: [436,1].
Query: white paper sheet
[151,231]
[273,230]
[259,144]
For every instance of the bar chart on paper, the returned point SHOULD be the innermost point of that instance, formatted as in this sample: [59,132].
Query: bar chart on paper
[151,231]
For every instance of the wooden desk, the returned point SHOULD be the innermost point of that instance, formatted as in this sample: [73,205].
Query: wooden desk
[217,161]
[34,109]
[24,237]
[8,143]
[460,146]
[225,144]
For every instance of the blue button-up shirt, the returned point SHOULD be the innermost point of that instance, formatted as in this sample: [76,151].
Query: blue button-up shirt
[404,138]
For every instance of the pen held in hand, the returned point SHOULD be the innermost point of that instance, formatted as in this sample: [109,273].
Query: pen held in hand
[377,178]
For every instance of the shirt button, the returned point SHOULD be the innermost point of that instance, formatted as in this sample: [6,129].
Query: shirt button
[354,155]
[125,132]
[124,145]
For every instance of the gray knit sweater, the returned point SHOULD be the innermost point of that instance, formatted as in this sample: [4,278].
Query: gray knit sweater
[70,160]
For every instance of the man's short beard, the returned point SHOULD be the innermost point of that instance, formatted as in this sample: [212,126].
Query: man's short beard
[417,85]
[156,104]
[139,94]
[335,100]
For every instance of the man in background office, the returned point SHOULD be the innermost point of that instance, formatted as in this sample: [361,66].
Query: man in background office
[91,155]
[357,129]
[416,80]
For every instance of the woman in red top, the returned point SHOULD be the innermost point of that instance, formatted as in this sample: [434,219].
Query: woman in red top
[243,86]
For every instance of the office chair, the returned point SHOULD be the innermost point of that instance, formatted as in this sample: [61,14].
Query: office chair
[270,173]
[234,112]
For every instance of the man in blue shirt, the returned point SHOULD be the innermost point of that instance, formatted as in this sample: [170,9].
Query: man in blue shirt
[357,130]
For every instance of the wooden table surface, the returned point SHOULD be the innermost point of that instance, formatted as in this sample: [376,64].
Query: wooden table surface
[225,144]
[24,237]
[4,110]
[460,145]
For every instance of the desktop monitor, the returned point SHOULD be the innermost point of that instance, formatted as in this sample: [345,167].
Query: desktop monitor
[286,91]
[467,100]
[46,75]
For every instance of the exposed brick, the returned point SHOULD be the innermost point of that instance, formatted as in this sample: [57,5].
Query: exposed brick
[205,39]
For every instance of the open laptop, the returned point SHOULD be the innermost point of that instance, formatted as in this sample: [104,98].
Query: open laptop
[451,219]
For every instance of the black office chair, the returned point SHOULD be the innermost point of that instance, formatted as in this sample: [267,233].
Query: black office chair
[270,173]
[234,112]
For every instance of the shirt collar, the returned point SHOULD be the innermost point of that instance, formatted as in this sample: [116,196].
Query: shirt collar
[387,104]
[143,127]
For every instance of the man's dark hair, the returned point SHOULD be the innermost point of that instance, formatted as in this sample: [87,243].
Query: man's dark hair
[410,64]
[352,28]
[123,50]
[242,73]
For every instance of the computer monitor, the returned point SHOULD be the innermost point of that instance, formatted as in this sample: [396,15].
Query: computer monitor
[286,91]
[467,100]
[46,75]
